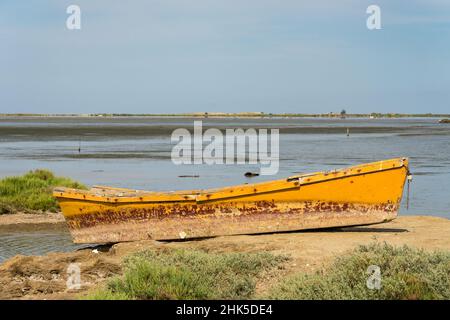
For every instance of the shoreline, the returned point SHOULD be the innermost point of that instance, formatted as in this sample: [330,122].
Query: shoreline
[32,221]
[240,115]
[21,221]
[44,277]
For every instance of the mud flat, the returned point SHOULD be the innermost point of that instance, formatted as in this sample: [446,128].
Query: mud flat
[44,277]
[32,221]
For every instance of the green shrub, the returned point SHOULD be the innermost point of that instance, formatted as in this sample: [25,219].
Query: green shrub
[32,192]
[406,273]
[189,274]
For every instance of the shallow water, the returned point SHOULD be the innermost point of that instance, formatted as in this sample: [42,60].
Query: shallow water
[135,153]
[35,243]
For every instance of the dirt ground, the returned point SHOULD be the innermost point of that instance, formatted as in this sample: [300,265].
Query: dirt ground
[31,222]
[44,277]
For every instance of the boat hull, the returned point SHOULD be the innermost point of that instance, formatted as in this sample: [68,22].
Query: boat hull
[359,195]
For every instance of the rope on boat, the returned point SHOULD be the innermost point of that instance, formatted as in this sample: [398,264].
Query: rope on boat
[409,178]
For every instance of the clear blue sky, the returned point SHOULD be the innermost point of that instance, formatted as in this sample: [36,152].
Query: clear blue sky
[168,56]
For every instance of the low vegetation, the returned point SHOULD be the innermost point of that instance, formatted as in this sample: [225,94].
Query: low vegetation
[189,274]
[32,192]
[406,273]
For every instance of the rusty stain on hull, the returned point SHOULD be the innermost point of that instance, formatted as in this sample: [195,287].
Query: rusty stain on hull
[358,195]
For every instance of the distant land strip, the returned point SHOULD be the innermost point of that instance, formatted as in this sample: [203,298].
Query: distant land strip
[235,115]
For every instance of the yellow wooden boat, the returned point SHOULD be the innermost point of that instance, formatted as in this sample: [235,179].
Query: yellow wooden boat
[359,195]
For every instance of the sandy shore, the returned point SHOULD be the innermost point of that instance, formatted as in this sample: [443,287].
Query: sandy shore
[44,277]
[25,220]
[31,222]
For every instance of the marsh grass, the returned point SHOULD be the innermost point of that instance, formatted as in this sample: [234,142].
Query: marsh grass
[32,192]
[406,273]
[189,274]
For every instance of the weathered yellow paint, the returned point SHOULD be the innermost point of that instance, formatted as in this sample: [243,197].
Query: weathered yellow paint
[364,194]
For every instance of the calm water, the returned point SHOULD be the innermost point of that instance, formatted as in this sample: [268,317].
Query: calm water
[135,153]
[35,243]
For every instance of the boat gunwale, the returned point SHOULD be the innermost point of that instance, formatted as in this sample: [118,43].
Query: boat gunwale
[201,196]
